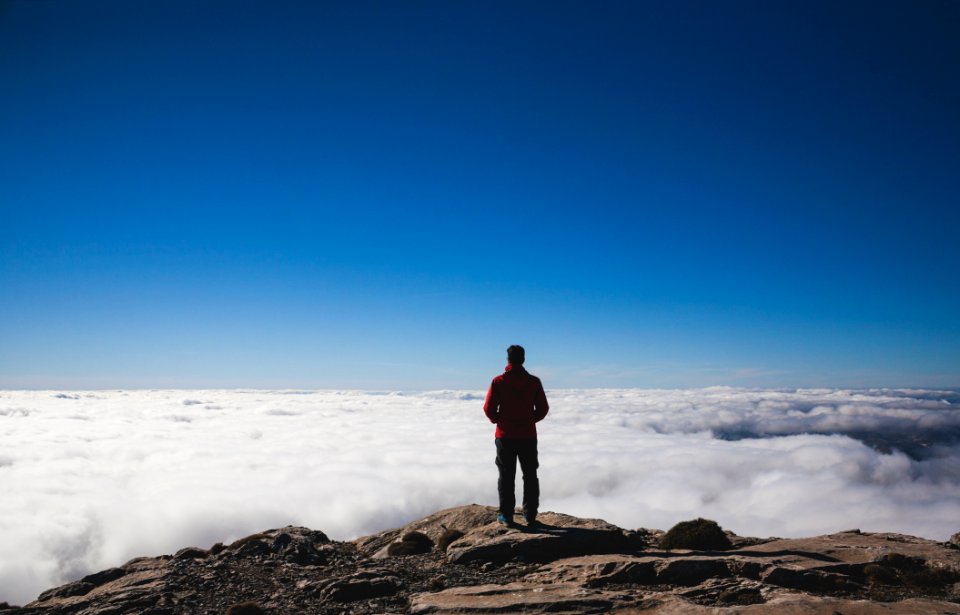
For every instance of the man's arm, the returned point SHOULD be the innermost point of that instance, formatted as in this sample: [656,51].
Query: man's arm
[491,407]
[540,405]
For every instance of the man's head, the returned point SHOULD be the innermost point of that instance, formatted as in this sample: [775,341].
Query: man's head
[515,355]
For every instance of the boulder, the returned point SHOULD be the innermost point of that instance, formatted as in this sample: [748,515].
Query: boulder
[448,538]
[76,588]
[104,576]
[954,541]
[361,586]
[190,553]
[555,536]
[412,543]
[460,519]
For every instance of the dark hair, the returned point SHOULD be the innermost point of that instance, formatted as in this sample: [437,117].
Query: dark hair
[515,355]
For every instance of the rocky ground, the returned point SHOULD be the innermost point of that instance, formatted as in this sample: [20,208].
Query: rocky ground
[461,561]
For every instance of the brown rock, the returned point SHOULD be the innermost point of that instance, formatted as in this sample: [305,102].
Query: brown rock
[569,565]
[691,571]
[556,536]
[808,580]
[447,538]
[77,588]
[954,541]
[190,553]
[362,586]
[517,598]
[412,543]
[461,518]
[787,603]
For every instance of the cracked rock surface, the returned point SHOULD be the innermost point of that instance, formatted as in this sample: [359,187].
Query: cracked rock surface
[564,565]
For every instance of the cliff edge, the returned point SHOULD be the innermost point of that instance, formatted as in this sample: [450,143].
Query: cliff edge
[460,560]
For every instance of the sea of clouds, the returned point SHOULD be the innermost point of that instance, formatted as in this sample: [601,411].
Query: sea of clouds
[92,479]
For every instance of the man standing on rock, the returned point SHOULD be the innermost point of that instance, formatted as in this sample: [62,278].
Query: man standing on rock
[516,402]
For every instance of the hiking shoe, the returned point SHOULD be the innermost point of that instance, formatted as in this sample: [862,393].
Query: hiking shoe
[532,521]
[504,520]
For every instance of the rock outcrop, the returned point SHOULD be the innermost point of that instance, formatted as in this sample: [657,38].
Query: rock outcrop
[461,560]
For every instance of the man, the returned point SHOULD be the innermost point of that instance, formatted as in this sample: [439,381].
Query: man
[516,402]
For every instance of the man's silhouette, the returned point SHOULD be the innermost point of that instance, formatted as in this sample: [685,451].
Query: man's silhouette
[516,402]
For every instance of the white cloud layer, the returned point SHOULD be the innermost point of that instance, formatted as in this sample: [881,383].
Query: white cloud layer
[92,479]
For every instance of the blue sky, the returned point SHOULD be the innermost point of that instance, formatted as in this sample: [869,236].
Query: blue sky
[386,195]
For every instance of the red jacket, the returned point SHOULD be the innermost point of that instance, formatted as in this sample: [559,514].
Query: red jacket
[516,402]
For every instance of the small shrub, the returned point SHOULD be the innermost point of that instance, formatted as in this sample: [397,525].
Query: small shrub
[697,535]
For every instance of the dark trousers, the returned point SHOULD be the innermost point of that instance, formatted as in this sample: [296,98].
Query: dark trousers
[508,451]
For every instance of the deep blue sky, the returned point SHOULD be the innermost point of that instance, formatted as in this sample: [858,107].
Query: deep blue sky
[387,194]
